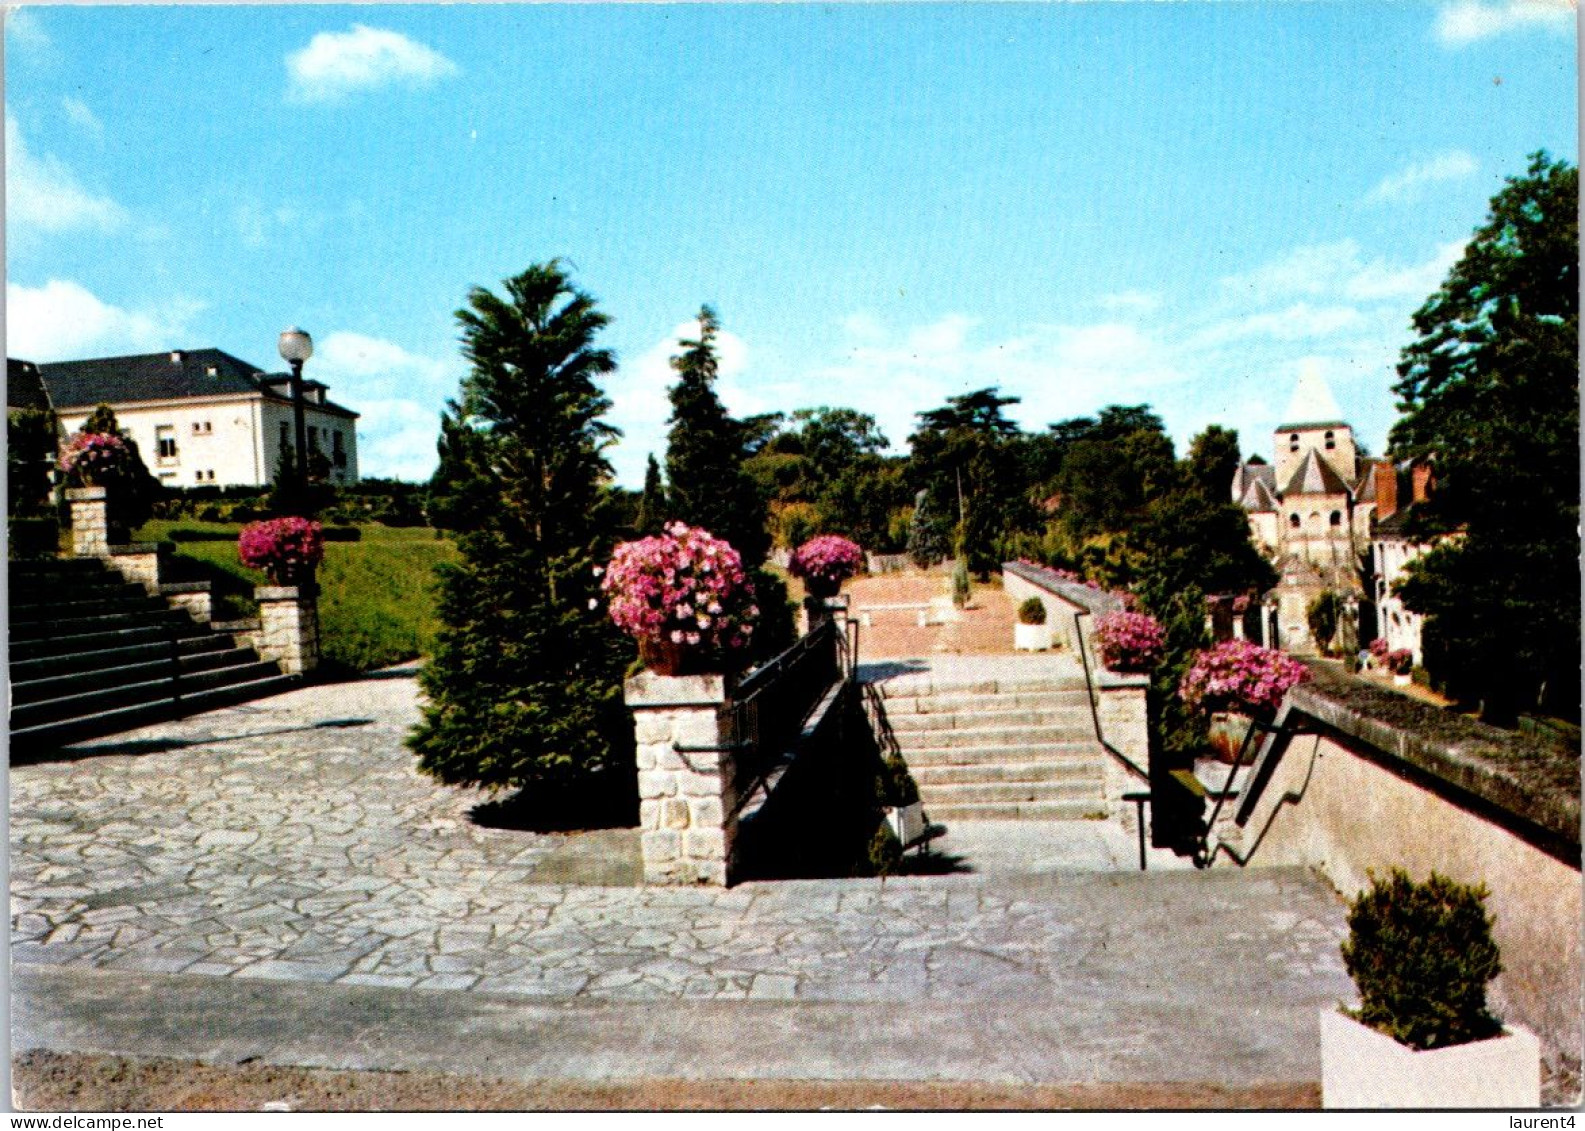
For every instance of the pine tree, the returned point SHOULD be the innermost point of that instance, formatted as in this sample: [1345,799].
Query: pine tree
[705,453]
[525,687]
[652,504]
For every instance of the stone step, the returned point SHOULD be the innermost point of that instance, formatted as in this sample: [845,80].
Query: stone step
[1089,773]
[913,722]
[86,586]
[30,739]
[74,662]
[51,567]
[1056,810]
[1014,737]
[1081,752]
[1008,792]
[25,716]
[927,686]
[150,667]
[946,704]
[57,632]
[73,607]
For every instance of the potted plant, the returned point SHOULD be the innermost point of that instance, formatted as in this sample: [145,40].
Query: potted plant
[1129,642]
[1031,633]
[1401,664]
[824,563]
[684,597]
[1420,955]
[287,550]
[1235,683]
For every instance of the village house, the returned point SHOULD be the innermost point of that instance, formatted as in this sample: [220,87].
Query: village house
[203,417]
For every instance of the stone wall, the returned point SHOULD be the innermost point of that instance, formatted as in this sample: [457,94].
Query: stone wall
[90,521]
[1364,795]
[289,627]
[1121,711]
[687,797]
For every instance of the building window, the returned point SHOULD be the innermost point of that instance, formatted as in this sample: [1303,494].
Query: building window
[313,438]
[1331,442]
[286,434]
[1293,442]
[165,438]
[1337,518]
[198,477]
[1293,521]
[338,454]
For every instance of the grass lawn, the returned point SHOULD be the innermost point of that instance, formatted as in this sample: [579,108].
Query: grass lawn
[377,600]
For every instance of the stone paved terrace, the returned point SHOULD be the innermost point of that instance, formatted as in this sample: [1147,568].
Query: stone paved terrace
[280,871]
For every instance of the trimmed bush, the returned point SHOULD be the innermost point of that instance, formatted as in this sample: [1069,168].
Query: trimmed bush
[1421,955]
[1032,611]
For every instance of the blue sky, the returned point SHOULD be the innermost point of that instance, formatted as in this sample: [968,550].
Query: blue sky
[1091,203]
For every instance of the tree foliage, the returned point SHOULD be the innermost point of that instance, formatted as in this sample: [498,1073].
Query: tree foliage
[31,447]
[965,455]
[705,451]
[652,504]
[1489,393]
[524,689]
[134,492]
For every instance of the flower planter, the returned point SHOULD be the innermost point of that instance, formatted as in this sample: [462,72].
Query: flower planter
[666,658]
[1402,680]
[1361,1068]
[1031,637]
[1227,732]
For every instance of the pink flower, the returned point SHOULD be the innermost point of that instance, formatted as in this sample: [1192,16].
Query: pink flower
[1129,642]
[1240,676]
[829,559]
[286,549]
[684,585]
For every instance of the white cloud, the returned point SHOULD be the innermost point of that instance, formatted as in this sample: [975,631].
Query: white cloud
[42,194]
[358,364]
[640,405]
[1469,21]
[1130,302]
[1379,280]
[258,224]
[1340,271]
[1407,184]
[63,320]
[23,29]
[1298,321]
[396,438]
[78,113]
[335,64]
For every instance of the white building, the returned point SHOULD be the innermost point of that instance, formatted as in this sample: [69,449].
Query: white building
[202,417]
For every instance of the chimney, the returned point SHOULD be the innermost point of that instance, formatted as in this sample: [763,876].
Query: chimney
[176,357]
[1420,477]
[1386,489]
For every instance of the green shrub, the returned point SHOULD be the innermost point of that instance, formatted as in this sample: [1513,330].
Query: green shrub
[960,583]
[1421,955]
[1032,611]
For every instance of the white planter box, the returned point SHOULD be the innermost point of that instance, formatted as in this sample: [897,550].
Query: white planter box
[907,822]
[1031,637]
[1361,1068]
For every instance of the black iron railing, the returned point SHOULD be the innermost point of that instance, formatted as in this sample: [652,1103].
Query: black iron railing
[770,705]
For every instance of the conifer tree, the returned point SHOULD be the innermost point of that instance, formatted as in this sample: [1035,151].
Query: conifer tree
[705,453]
[524,689]
[652,504]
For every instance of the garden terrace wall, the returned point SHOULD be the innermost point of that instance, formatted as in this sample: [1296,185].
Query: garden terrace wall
[1383,781]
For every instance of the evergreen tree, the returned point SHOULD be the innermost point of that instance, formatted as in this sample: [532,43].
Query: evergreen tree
[133,491]
[705,450]
[652,505]
[525,687]
[1490,399]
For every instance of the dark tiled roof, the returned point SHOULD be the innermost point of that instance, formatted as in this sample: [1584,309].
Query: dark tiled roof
[1314,476]
[1248,474]
[24,387]
[1310,426]
[1259,497]
[148,377]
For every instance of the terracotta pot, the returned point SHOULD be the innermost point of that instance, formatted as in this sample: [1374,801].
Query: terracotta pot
[1228,729]
[665,658]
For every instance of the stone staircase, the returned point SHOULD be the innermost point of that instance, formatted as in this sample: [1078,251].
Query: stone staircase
[92,654]
[1020,745]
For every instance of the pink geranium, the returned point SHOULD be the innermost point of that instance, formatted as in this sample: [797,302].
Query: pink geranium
[828,560]
[683,587]
[1129,642]
[1239,676]
[287,550]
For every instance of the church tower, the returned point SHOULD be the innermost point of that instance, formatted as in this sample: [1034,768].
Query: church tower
[1314,423]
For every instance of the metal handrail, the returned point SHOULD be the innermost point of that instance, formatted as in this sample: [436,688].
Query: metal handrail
[1095,710]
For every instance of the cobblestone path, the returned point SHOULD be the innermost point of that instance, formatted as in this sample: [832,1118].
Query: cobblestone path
[292,839]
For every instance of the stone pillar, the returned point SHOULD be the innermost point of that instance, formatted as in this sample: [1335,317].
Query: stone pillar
[687,796]
[139,563]
[1122,711]
[193,596]
[90,521]
[289,626]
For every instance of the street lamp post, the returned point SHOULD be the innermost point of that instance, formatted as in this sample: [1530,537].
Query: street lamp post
[297,347]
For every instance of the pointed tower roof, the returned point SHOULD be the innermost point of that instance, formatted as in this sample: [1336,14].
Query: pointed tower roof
[1312,405]
[1248,475]
[1259,498]
[1314,476]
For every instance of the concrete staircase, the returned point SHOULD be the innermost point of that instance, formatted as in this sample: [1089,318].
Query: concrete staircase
[1018,745]
[91,654]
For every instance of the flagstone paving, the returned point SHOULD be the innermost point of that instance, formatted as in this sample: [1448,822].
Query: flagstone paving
[291,841]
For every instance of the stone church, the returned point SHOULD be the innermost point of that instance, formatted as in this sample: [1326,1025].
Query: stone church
[1311,511]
